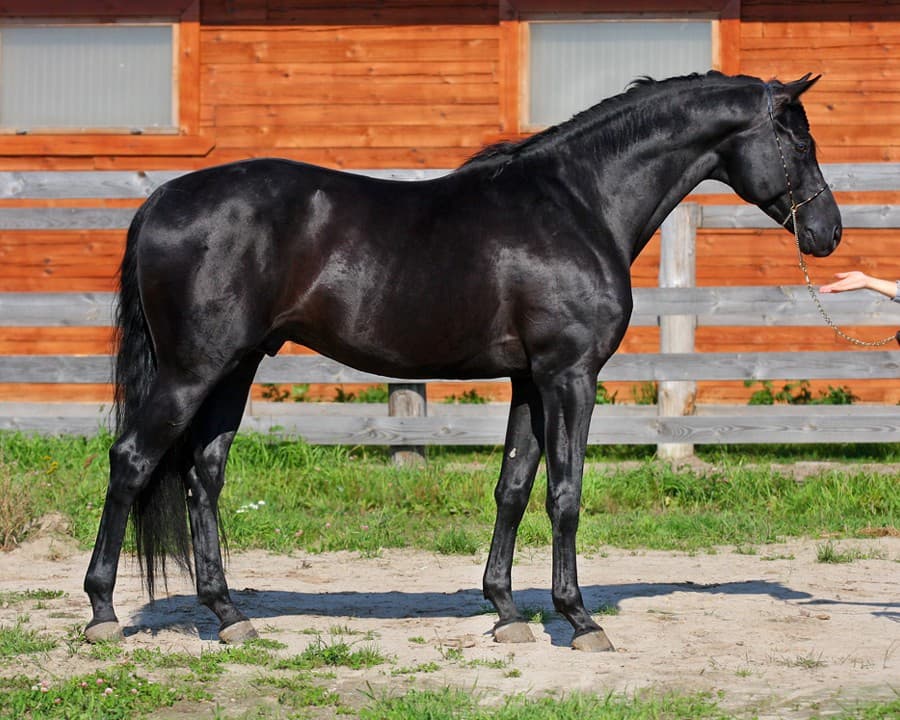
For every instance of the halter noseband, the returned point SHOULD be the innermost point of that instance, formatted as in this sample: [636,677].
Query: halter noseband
[792,214]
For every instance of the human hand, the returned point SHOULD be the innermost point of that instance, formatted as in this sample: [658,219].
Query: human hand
[853,280]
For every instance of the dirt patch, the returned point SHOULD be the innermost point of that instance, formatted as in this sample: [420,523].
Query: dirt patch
[776,631]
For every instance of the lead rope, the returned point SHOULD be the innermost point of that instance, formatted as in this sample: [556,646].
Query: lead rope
[802,261]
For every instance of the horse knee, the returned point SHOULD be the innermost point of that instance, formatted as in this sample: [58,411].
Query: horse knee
[517,479]
[515,496]
[563,511]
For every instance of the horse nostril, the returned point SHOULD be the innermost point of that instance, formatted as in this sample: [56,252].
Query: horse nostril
[809,238]
[836,235]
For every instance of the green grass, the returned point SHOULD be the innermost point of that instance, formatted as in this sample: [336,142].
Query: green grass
[450,704]
[873,711]
[320,654]
[19,640]
[114,693]
[284,495]
[458,705]
[17,597]
[831,553]
[298,692]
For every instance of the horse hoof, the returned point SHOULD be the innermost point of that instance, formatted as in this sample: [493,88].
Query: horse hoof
[593,641]
[513,632]
[237,633]
[109,631]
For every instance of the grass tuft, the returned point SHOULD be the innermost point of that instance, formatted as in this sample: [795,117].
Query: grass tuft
[17,506]
[319,654]
[19,640]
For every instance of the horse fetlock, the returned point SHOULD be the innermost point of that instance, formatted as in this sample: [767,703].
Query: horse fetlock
[569,603]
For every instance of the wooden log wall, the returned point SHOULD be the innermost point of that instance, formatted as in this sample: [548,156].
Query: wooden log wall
[855,112]
[424,84]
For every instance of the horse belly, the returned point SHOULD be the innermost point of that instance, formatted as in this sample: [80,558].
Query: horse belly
[409,342]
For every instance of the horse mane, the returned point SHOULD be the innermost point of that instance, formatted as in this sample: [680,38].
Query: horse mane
[604,113]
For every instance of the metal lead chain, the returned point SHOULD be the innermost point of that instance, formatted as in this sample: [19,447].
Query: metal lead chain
[815,297]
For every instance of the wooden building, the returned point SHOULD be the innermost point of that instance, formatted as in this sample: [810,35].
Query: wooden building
[405,85]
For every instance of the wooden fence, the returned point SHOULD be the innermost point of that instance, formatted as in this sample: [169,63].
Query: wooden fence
[675,423]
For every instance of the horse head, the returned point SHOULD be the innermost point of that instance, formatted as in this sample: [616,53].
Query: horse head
[773,165]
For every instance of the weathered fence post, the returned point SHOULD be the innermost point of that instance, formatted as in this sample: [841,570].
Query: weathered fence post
[678,268]
[407,400]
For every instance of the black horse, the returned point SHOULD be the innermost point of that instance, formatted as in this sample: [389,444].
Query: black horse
[516,264]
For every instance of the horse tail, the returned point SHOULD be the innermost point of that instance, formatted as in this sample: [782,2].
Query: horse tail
[158,514]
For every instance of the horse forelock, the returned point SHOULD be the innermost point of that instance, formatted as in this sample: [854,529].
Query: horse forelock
[606,113]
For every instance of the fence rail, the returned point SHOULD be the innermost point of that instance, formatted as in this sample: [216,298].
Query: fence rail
[478,425]
[364,424]
[785,305]
[634,367]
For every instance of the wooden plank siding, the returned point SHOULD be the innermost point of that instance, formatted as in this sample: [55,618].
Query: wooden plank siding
[363,96]
[856,46]
[424,84]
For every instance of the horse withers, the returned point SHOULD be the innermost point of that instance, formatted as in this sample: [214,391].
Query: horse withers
[516,264]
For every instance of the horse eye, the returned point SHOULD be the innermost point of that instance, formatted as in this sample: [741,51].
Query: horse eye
[801,146]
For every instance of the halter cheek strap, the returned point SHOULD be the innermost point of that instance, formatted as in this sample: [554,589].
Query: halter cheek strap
[792,214]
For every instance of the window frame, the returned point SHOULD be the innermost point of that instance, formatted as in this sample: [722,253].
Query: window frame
[169,128]
[516,16]
[183,138]
[585,18]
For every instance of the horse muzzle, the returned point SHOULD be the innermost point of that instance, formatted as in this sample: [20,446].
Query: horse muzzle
[819,241]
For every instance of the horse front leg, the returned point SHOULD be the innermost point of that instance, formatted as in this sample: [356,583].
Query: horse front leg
[568,402]
[521,455]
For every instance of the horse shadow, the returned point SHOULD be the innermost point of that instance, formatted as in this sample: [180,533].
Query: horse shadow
[181,612]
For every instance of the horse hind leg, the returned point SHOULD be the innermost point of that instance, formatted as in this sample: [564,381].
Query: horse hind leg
[133,459]
[213,431]
[521,455]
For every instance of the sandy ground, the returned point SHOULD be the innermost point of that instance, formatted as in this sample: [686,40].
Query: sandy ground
[776,632]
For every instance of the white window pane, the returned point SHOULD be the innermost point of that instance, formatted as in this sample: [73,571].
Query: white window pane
[574,65]
[86,77]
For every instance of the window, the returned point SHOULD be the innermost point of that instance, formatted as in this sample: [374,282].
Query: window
[573,65]
[87,77]
[95,79]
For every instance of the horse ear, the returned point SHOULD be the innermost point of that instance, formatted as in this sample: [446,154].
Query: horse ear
[787,93]
[796,88]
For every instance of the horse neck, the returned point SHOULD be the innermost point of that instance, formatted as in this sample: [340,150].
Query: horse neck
[671,146]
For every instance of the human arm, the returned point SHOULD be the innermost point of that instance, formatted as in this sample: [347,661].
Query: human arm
[856,280]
